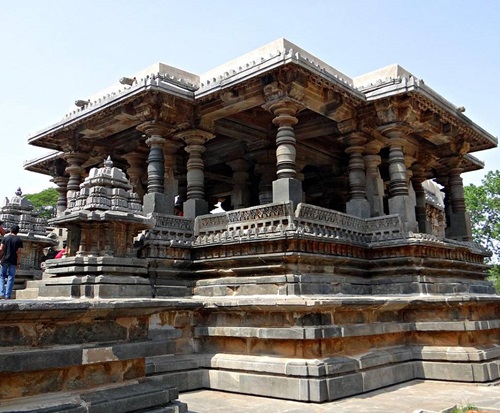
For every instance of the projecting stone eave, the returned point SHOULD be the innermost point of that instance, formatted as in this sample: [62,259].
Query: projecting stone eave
[138,221]
[471,163]
[158,82]
[406,83]
[266,59]
[43,164]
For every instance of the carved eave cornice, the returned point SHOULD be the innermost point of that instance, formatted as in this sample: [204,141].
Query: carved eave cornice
[44,164]
[267,59]
[126,107]
[239,85]
[444,117]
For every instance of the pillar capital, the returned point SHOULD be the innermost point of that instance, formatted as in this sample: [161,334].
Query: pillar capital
[394,132]
[155,128]
[195,136]
[355,139]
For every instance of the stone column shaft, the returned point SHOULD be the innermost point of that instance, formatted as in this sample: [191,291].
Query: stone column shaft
[240,195]
[195,140]
[135,171]
[156,161]
[62,189]
[459,220]
[75,171]
[400,202]
[374,185]
[287,188]
[358,204]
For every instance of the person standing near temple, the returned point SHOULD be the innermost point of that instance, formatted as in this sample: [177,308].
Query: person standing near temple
[10,248]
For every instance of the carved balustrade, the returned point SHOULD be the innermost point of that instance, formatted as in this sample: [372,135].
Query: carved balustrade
[278,219]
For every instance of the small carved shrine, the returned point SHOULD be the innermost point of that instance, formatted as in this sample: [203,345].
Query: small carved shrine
[102,219]
[18,210]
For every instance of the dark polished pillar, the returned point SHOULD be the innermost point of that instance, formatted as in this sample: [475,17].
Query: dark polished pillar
[286,188]
[195,140]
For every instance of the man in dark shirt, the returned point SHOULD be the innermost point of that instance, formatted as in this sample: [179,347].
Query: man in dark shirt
[10,248]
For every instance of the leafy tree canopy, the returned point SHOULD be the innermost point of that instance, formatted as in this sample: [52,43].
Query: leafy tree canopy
[45,202]
[483,205]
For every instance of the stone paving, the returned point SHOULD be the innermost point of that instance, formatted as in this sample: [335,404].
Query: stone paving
[412,397]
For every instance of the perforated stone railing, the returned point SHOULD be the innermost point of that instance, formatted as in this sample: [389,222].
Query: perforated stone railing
[277,219]
[261,221]
[171,230]
[326,223]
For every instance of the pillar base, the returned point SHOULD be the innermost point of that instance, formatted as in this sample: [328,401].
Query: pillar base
[159,203]
[287,190]
[460,228]
[358,208]
[405,208]
[195,207]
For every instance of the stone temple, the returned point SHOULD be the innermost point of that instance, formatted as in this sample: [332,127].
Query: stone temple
[341,261]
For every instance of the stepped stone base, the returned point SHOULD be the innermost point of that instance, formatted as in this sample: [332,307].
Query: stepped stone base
[319,349]
[133,397]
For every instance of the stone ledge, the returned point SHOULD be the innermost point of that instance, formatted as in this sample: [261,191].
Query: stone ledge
[25,359]
[341,330]
[127,397]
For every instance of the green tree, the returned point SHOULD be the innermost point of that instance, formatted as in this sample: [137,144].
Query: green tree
[45,202]
[483,205]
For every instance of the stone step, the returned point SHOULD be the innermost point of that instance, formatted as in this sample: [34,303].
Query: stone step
[19,359]
[27,293]
[129,397]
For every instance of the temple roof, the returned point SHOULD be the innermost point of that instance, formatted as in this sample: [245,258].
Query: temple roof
[228,101]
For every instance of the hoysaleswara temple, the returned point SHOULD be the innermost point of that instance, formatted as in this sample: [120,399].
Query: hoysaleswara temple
[340,261]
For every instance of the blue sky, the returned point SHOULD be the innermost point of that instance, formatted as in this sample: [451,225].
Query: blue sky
[56,51]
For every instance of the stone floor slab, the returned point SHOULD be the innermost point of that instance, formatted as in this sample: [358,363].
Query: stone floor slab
[412,397]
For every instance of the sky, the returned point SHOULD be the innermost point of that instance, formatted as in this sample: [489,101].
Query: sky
[54,52]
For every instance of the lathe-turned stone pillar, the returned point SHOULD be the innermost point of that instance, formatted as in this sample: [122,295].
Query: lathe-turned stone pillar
[240,195]
[358,204]
[62,189]
[135,171]
[265,169]
[286,187]
[171,184]
[75,171]
[399,202]
[156,201]
[374,181]
[195,140]
[421,205]
[459,227]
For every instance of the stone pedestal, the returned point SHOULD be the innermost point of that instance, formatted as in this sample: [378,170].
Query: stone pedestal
[195,207]
[156,202]
[358,207]
[287,190]
[405,208]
